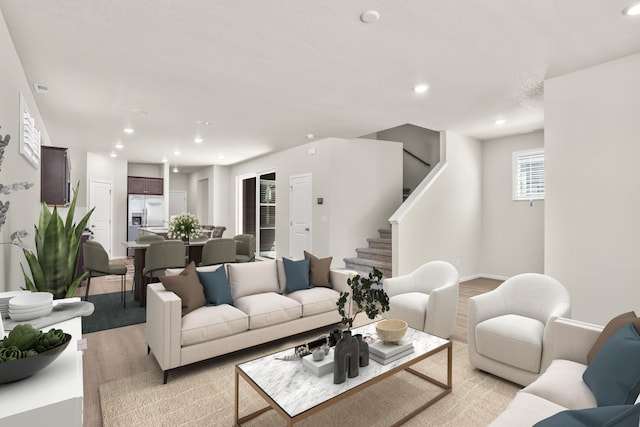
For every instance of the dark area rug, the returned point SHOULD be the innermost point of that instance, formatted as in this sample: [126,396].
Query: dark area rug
[108,312]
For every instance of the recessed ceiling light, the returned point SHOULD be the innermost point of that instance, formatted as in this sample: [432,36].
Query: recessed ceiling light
[632,10]
[176,153]
[221,156]
[164,160]
[203,122]
[119,145]
[198,140]
[499,122]
[140,111]
[369,16]
[113,154]
[421,88]
[175,169]
[310,136]
[128,131]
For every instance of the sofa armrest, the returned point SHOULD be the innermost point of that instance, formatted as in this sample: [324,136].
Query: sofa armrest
[399,285]
[572,339]
[338,279]
[164,324]
[442,308]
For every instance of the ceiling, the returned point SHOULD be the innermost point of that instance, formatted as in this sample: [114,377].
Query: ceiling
[264,74]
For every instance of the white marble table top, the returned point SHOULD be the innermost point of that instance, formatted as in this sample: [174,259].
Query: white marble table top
[295,389]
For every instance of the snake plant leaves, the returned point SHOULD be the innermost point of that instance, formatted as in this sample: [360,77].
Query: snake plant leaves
[53,266]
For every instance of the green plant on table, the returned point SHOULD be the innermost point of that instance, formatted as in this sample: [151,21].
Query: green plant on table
[55,263]
[367,295]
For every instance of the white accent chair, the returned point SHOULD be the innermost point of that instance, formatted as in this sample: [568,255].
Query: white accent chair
[508,332]
[427,299]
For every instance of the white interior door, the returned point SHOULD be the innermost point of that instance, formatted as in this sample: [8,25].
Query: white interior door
[300,215]
[100,221]
[177,202]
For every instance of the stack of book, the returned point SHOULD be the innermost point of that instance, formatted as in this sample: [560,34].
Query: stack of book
[385,352]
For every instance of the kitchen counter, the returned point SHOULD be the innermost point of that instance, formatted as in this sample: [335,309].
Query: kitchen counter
[160,231]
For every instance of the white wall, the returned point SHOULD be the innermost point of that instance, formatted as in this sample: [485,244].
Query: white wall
[24,207]
[513,231]
[359,180]
[192,195]
[179,182]
[148,170]
[442,219]
[592,212]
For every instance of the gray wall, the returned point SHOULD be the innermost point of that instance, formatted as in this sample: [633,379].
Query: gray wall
[592,211]
[512,231]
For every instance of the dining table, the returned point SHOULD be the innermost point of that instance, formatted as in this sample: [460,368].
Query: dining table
[193,252]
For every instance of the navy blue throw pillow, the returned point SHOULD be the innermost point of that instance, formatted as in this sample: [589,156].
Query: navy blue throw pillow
[216,286]
[603,416]
[614,373]
[297,273]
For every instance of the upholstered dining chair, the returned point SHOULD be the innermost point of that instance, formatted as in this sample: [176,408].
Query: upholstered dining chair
[427,298]
[96,264]
[218,251]
[508,327]
[162,255]
[217,232]
[148,238]
[246,248]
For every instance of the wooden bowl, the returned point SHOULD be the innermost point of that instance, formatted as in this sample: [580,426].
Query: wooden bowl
[391,330]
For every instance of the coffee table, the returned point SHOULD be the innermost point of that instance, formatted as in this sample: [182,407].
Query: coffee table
[296,393]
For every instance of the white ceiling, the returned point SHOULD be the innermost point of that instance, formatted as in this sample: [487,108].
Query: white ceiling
[267,73]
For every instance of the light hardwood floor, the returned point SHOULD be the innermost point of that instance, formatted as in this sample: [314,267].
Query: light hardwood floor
[119,353]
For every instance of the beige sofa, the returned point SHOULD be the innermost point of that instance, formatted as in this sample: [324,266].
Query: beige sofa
[261,312]
[561,386]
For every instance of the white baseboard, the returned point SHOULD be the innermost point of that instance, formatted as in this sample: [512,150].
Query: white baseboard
[483,276]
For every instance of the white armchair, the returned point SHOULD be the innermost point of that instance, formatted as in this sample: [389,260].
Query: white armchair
[509,327]
[427,299]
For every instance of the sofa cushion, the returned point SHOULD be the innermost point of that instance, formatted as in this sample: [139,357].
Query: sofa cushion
[212,322]
[605,416]
[316,300]
[249,278]
[511,339]
[319,270]
[268,309]
[187,286]
[562,383]
[216,287]
[614,373]
[297,273]
[611,328]
[525,410]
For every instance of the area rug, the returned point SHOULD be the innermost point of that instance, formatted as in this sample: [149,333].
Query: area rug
[108,312]
[203,395]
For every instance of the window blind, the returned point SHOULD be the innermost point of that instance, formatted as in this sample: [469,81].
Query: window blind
[528,180]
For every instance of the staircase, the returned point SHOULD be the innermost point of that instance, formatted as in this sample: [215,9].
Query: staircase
[377,255]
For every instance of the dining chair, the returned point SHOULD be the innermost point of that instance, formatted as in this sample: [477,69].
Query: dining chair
[218,251]
[246,249]
[161,255]
[218,231]
[96,264]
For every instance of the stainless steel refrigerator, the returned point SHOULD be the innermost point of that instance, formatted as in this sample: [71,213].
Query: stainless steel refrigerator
[144,211]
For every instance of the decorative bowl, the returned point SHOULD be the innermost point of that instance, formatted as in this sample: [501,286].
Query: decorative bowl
[391,330]
[31,300]
[19,369]
[24,315]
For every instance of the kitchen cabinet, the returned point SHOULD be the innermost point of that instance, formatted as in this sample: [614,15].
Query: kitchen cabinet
[55,178]
[145,185]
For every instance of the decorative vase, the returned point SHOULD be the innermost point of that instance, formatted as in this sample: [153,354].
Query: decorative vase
[334,336]
[346,358]
[363,355]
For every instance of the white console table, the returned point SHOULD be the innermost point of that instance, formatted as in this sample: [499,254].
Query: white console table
[52,396]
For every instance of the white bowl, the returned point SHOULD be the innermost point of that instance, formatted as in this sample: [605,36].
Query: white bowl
[6,296]
[21,317]
[391,330]
[31,299]
[31,308]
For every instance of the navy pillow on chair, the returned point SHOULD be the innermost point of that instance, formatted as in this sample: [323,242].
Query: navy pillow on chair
[614,373]
[216,286]
[297,273]
[603,416]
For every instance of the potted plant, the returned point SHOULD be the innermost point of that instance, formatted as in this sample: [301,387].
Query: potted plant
[184,226]
[366,295]
[55,263]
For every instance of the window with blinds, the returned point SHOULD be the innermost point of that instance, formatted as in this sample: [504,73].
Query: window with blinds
[528,175]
